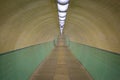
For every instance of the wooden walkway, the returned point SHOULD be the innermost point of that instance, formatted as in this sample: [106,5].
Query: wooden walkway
[61,65]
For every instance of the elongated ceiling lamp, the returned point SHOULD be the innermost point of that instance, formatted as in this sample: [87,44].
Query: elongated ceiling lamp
[62,12]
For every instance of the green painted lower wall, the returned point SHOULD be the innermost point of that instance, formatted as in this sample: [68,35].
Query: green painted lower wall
[20,64]
[102,65]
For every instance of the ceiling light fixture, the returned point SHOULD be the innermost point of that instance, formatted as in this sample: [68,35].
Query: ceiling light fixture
[62,11]
[63,18]
[62,8]
[63,1]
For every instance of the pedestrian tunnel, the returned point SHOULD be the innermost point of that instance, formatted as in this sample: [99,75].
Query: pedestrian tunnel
[29,32]
[59,59]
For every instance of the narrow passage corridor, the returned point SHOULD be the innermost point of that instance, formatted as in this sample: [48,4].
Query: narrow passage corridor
[61,65]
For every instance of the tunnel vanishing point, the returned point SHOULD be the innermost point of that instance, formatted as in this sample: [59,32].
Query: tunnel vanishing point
[32,47]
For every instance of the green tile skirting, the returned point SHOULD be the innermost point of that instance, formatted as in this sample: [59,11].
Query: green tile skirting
[101,64]
[20,64]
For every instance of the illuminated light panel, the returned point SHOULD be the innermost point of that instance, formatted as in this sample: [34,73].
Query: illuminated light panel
[63,1]
[62,7]
[62,19]
[62,16]
[61,30]
[62,13]
[62,23]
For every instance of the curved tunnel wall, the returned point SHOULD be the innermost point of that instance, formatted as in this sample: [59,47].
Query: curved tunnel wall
[28,22]
[101,64]
[20,64]
[95,23]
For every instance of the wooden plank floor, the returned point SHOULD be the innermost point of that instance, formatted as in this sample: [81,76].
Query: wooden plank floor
[61,65]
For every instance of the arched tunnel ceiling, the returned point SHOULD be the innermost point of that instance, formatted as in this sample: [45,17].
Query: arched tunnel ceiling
[29,22]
